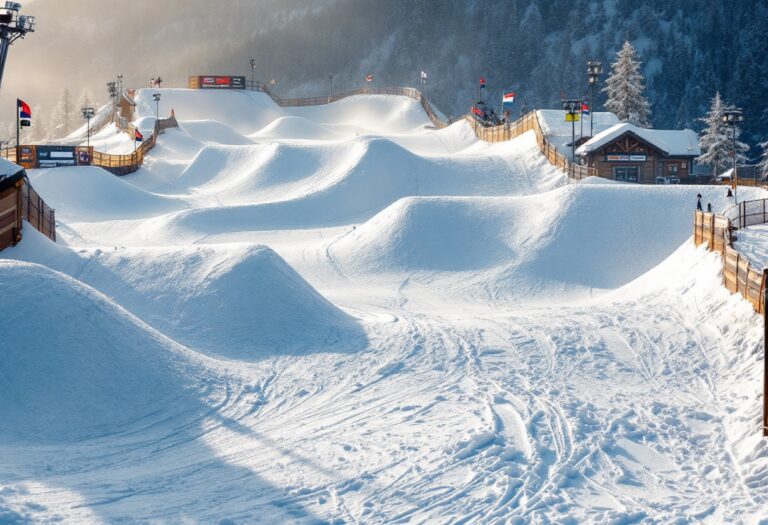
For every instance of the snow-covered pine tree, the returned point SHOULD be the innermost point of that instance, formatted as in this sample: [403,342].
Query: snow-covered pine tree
[713,139]
[763,165]
[86,100]
[62,118]
[38,131]
[625,88]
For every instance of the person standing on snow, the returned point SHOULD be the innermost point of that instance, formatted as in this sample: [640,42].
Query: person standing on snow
[698,201]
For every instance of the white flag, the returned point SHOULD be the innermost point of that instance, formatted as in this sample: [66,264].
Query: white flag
[423,75]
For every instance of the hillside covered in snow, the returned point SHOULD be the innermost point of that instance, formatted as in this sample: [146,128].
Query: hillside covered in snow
[338,314]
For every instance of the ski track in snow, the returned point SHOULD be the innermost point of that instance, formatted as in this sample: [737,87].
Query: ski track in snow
[406,379]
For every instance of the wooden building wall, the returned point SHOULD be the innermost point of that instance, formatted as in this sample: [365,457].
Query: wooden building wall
[655,164]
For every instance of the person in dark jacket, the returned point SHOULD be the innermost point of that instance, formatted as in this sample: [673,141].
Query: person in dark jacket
[698,201]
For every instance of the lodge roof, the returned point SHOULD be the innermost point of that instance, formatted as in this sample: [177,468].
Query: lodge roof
[672,142]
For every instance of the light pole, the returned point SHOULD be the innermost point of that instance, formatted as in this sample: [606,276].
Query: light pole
[156,98]
[88,114]
[253,72]
[732,118]
[330,93]
[572,108]
[594,70]
[12,27]
[120,83]
[112,90]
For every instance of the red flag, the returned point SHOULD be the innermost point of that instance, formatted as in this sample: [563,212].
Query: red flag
[482,83]
[138,137]
[369,78]
[24,111]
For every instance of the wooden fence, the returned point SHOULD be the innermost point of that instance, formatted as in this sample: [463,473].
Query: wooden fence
[19,202]
[116,164]
[717,232]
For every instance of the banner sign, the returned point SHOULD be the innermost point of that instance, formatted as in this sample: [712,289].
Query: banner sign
[55,156]
[571,117]
[27,157]
[625,158]
[221,82]
[59,156]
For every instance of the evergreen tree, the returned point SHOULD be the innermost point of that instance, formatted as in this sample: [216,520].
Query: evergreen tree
[716,139]
[62,118]
[38,130]
[763,165]
[626,87]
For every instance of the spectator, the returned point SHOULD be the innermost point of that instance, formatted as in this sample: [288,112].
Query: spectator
[709,207]
[698,201]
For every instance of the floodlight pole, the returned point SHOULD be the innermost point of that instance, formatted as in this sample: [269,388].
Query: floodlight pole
[156,97]
[572,108]
[594,69]
[253,72]
[88,113]
[12,27]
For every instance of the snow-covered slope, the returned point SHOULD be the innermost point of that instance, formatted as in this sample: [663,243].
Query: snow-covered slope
[338,314]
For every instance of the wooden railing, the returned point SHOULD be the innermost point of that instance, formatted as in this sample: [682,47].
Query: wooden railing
[117,164]
[717,232]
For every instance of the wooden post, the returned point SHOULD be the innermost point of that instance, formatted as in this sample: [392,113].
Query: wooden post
[765,357]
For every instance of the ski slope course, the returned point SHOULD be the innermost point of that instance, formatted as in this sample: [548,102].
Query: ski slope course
[337,314]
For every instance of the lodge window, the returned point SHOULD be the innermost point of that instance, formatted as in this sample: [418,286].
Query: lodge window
[626,173]
[672,169]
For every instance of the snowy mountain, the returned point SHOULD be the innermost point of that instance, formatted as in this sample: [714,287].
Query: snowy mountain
[539,48]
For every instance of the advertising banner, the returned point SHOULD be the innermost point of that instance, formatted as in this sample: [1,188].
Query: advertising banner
[55,156]
[221,82]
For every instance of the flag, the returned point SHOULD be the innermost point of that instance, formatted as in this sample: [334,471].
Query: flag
[482,83]
[477,111]
[423,75]
[584,109]
[508,97]
[138,137]
[25,114]
[369,78]
[24,110]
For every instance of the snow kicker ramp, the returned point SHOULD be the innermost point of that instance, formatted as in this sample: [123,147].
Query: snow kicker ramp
[578,237]
[291,186]
[237,301]
[100,370]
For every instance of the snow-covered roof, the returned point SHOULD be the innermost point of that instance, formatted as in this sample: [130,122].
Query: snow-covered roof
[8,168]
[673,142]
[553,122]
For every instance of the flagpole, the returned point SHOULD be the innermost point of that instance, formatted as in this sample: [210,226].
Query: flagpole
[18,127]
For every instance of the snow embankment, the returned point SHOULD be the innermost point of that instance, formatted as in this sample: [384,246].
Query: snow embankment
[575,237]
[367,113]
[237,301]
[100,371]
[93,194]
[245,111]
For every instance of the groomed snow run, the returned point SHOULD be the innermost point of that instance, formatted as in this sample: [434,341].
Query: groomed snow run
[338,314]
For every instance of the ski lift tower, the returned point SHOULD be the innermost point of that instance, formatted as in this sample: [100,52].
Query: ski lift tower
[12,27]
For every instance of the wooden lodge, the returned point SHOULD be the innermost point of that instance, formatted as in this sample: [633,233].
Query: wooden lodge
[628,153]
